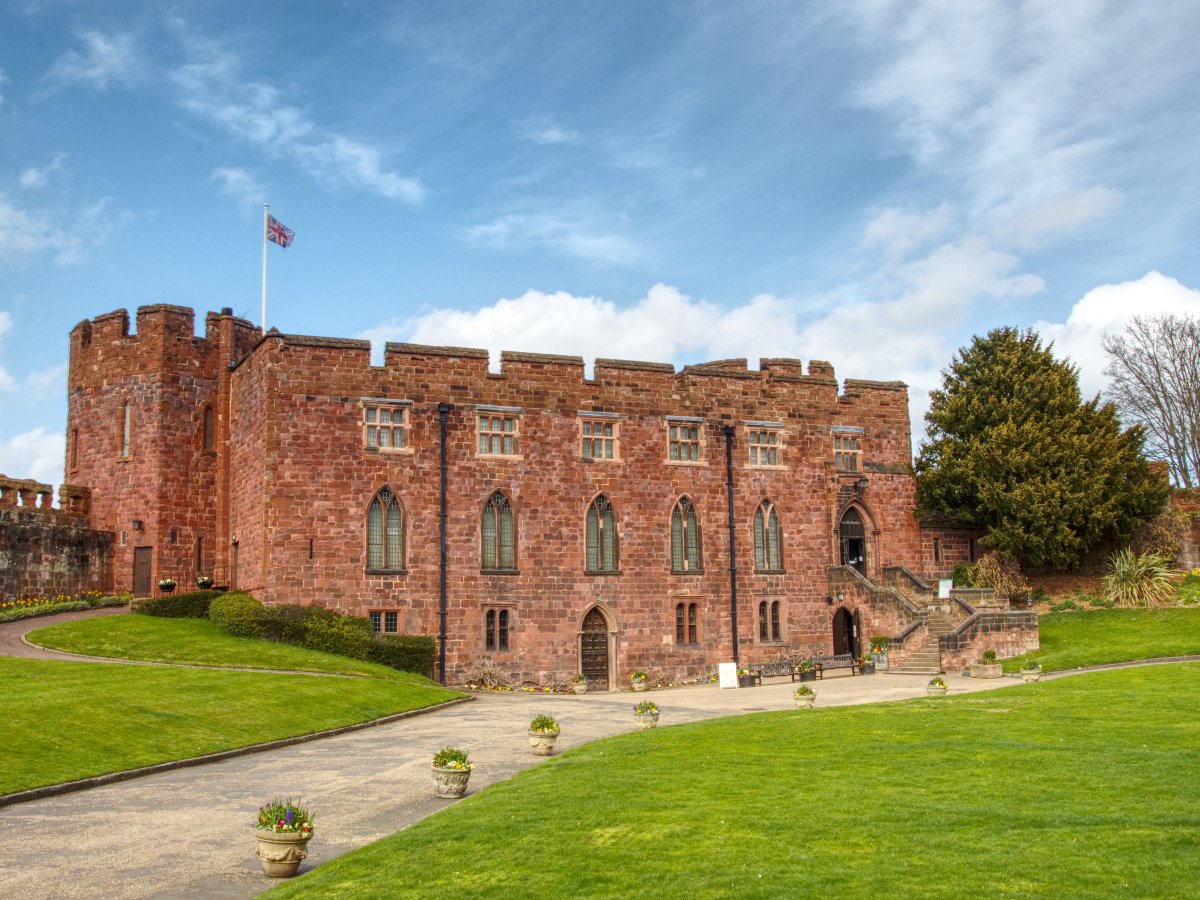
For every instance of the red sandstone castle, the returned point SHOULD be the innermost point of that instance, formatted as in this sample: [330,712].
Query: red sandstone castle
[640,519]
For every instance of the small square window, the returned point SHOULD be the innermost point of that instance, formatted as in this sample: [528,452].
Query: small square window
[764,446]
[684,443]
[376,621]
[497,435]
[599,440]
[384,427]
[847,452]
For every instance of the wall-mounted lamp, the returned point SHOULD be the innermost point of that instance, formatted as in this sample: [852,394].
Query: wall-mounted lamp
[829,600]
[233,539]
[863,482]
[137,524]
[841,596]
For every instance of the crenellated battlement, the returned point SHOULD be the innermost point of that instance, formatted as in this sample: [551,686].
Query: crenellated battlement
[32,496]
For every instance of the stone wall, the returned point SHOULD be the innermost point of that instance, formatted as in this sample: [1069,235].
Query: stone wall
[1008,633]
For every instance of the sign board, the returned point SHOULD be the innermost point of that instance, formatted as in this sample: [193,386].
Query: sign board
[728,675]
[944,585]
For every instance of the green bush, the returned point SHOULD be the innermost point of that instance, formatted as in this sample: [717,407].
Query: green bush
[191,605]
[406,652]
[285,624]
[44,609]
[237,614]
[342,635]
[1188,591]
[1063,606]
[1001,572]
[1134,580]
[964,575]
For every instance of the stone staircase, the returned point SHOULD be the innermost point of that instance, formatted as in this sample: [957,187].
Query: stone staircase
[927,660]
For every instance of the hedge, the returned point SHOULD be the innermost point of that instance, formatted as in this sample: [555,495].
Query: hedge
[407,652]
[237,614]
[342,636]
[191,605]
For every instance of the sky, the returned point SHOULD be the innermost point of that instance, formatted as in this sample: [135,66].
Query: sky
[870,183]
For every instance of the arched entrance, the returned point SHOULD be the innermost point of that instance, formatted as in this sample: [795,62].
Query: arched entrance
[845,632]
[593,650]
[854,540]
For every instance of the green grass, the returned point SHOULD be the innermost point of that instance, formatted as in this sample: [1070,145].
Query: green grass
[1078,787]
[69,720]
[1071,640]
[194,642]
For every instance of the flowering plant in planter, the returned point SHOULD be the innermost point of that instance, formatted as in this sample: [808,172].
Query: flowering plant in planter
[804,691]
[1031,666]
[166,584]
[580,678]
[544,725]
[450,758]
[285,817]
[204,582]
[937,682]
[638,677]
[646,706]
[879,644]
[989,658]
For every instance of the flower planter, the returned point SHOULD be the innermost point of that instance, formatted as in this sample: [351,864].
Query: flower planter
[987,670]
[867,669]
[935,691]
[638,685]
[579,687]
[805,702]
[450,784]
[1031,676]
[167,588]
[280,853]
[542,742]
[646,719]
[810,675]
[746,681]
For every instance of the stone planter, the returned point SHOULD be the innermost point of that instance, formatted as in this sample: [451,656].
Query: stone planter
[637,685]
[987,670]
[1028,676]
[880,660]
[542,742]
[280,853]
[935,691]
[805,702]
[646,719]
[746,681]
[579,687]
[450,784]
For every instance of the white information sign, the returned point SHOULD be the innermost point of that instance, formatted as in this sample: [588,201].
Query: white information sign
[728,675]
[944,585]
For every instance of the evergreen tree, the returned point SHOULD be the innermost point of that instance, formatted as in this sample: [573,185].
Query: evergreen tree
[1011,448]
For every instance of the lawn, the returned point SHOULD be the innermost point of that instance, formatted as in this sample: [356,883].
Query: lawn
[195,642]
[1078,787]
[1071,640]
[69,720]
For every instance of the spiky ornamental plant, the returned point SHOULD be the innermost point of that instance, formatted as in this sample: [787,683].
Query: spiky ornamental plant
[1134,580]
[1010,447]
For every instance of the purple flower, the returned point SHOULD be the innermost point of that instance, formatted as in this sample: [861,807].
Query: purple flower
[288,817]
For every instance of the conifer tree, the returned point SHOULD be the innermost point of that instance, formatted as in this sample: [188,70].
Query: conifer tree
[1011,448]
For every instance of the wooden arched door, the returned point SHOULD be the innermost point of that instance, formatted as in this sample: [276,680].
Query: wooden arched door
[593,650]
[843,631]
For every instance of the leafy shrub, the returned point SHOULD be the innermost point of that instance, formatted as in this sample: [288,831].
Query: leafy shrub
[1001,572]
[406,652]
[1038,595]
[192,605]
[1134,580]
[237,614]
[342,635]
[286,624]
[1188,590]
[1063,605]
[1163,535]
[45,609]
[1100,603]
[964,575]
[989,657]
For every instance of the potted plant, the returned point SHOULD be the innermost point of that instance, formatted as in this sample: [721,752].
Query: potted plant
[1031,671]
[987,667]
[804,697]
[450,773]
[579,683]
[204,582]
[879,651]
[637,680]
[283,831]
[543,732]
[746,678]
[806,670]
[645,714]
[865,666]
[936,686]
[166,585]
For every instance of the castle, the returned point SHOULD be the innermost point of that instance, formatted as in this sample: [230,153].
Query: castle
[640,519]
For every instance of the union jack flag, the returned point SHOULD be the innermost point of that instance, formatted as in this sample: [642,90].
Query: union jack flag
[278,233]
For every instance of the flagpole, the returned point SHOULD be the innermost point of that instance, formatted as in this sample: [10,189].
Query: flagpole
[264,284]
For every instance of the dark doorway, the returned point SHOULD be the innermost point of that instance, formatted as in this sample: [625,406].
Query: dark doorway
[844,638]
[854,541]
[141,571]
[593,650]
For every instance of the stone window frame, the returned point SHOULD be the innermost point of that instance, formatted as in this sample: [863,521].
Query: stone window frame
[681,542]
[382,617]
[370,417]
[497,629]
[676,442]
[768,539]
[496,505]
[125,432]
[770,621]
[758,445]
[610,441]
[505,414]
[601,556]
[847,449]
[687,623]
[387,501]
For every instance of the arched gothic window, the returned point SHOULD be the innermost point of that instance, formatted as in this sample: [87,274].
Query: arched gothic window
[767,539]
[685,537]
[498,540]
[601,536]
[385,533]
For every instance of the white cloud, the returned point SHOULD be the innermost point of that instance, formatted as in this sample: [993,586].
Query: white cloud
[898,232]
[211,87]
[34,177]
[3,79]
[570,234]
[105,60]
[35,454]
[239,184]
[70,238]
[544,130]
[1108,308]
[1061,214]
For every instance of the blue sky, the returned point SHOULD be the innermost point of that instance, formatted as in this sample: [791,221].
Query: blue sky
[868,183]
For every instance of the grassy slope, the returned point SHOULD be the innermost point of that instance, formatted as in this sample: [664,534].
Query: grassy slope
[68,720]
[193,641]
[1071,640]
[1079,787]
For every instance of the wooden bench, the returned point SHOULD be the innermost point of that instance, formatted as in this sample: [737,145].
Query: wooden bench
[840,661]
[772,669]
